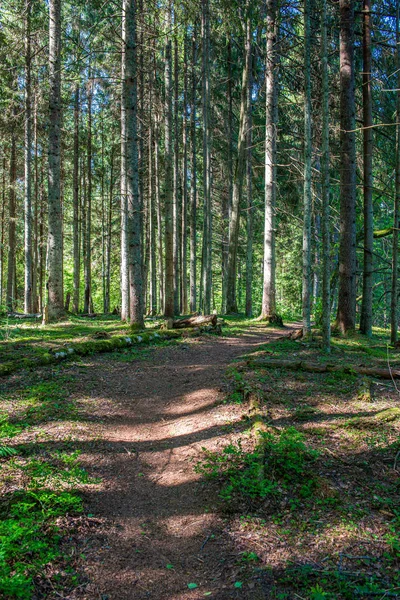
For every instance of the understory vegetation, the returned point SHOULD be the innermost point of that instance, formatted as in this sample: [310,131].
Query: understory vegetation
[311,487]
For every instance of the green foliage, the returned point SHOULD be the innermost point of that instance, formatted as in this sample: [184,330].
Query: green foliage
[276,463]
[29,534]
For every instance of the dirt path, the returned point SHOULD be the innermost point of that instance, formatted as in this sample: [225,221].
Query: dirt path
[162,529]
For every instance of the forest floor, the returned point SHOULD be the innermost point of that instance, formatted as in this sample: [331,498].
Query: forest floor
[139,474]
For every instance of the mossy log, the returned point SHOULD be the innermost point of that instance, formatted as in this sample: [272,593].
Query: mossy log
[197,321]
[14,315]
[300,365]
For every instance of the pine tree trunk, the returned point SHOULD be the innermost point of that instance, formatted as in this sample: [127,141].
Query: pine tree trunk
[35,250]
[368,142]
[206,279]
[75,185]
[176,242]
[268,309]
[168,193]
[28,163]
[326,258]
[306,292]
[193,182]
[152,222]
[227,197]
[55,227]
[249,191]
[124,201]
[12,215]
[346,319]
[2,225]
[160,258]
[184,295]
[88,244]
[131,174]
[394,312]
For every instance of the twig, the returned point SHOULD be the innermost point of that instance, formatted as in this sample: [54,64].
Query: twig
[390,369]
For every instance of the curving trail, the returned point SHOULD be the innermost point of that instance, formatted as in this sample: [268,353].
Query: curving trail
[161,527]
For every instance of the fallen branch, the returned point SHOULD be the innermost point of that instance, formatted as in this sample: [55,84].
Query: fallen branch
[13,315]
[300,365]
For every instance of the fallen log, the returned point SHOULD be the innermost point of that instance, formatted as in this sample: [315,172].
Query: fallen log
[14,315]
[196,321]
[300,365]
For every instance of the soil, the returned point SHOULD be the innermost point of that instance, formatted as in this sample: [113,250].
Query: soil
[160,524]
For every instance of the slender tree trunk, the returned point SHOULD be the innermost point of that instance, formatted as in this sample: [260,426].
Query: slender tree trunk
[368,143]
[35,300]
[107,307]
[249,189]
[2,225]
[306,292]
[346,319]
[184,290]
[42,243]
[55,227]
[28,163]
[268,309]
[168,194]
[152,221]
[193,181]
[88,253]
[75,185]
[227,197]
[394,312]
[176,200]
[207,227]
[326,258]
[231,301]
[124,197]
[131,173]
[160,263]
[12,217]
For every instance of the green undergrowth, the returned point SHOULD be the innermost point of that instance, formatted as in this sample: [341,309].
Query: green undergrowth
[317,496]
[41,490]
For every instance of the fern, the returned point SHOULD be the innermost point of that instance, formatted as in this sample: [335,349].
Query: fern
[6,451]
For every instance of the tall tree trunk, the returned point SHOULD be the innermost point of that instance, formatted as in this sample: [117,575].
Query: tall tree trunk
[168,194]
[368,141]
[55,227]
[346,318]
[394,312]
[306,292]
[227,197]
[107,307]
[12,217]
[176,241]
[2,225]
[249,191]
[268,308]
[152,219]
[35,299]
[124,197]
[160,259]
[231,301]
[193,181]
[75,185]
[131,173]
[184,295]
[28,163]
[206,279]
[326,258]
[88,252]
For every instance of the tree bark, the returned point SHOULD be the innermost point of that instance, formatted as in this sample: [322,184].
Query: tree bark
[2,225]
[75,201]
[268,308]
[88,252]
[346,318]
[196,321]
[168,194]
[12,216]
[249,193]
[326,258]
[184,290]
[55,216]
[176,197]
[131,174]
[394,313]
[28,162]
[368,142]
[206,277]
[306,291]
[193,180]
